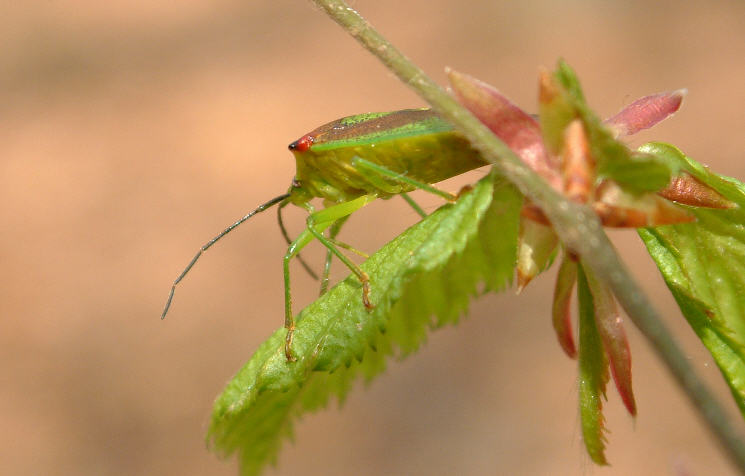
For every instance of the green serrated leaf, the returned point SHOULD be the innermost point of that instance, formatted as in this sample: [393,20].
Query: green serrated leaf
[432,269]
[703,264]
[593,374]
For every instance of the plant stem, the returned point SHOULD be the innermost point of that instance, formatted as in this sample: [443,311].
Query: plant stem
[577,226]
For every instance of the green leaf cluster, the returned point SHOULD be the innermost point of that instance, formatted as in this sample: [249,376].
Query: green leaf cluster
[635,172]
[703,264]
[424,278]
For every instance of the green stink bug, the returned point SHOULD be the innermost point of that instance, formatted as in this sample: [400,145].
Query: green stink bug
[350,162]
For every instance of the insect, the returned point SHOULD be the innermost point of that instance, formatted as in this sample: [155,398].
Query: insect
[349,163]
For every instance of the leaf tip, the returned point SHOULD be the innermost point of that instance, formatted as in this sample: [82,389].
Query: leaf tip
[522,281]
[681,93]
[547,89]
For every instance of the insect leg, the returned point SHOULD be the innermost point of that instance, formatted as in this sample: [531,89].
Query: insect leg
[372,171]
[413,204]
[349,247]
[292,250]
[335,229]
[318,222]
[361,275]
[329,256]
[286,236]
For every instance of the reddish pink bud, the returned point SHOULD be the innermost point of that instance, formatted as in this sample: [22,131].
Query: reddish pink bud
[646,112]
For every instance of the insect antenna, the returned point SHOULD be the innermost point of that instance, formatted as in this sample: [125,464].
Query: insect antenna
[287,238]
[214,240]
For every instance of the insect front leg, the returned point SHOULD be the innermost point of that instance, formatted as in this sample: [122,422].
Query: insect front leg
[292,250]
[286,236]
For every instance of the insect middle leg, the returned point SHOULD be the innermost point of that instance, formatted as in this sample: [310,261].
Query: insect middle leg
[333,231]
[317,223]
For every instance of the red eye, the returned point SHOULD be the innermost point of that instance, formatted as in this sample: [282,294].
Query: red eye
[302,144]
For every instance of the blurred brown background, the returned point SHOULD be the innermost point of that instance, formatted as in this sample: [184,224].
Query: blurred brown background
[133,131]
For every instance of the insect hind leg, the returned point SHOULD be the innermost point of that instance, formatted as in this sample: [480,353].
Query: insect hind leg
[376,173]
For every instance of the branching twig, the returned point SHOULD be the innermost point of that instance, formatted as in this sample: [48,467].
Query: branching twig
[577,226]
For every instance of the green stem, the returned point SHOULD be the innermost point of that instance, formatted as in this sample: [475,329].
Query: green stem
[577,226]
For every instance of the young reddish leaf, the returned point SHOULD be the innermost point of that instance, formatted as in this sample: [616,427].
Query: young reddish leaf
[646,112]
[617,208]
[577,165]
[688,190]
[518,129]
[610,328]
[561,311]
